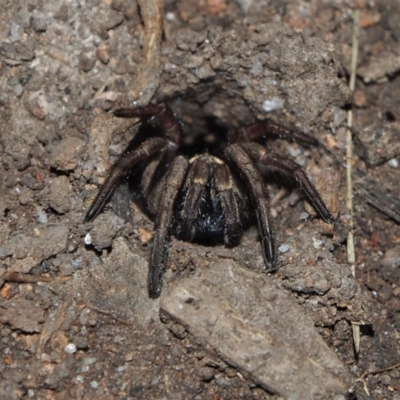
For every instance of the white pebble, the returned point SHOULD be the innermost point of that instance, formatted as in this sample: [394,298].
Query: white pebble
[394,163]
[274,104]
[70,348]
[18,89]
[88,239]
[304,216]
[41,215]
[318,244]
[283,248]
[94,384]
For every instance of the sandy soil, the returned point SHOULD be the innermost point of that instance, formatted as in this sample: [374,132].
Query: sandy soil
[76,320]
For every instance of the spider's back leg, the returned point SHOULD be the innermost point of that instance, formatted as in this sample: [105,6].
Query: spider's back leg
[267,129]
[262,155]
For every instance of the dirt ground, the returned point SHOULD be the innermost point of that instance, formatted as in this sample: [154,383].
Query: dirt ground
[76,320]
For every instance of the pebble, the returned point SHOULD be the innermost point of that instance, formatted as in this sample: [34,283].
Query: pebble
[86,63]
[275,103]
[88,239]
[318,244]
[70,348]
[394,163]
[283,248]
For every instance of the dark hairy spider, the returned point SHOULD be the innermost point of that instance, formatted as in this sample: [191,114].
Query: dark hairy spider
[212,196]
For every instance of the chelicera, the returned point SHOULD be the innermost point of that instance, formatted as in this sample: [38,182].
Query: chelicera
[211,196]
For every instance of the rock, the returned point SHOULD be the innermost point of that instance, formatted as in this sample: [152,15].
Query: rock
[65,155]
[118,285]
[258,329]
[105,228]
[61,193]
[377,144]
[22,314]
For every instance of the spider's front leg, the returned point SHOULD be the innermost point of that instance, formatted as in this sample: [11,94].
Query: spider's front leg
[259,195]
[120,170]
[169,123]
[159,253]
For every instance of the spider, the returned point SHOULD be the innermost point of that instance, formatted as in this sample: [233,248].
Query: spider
[212,196]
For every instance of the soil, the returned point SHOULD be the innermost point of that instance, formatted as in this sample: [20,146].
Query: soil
[76,320]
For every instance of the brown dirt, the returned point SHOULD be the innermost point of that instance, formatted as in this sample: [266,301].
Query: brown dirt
[75,318]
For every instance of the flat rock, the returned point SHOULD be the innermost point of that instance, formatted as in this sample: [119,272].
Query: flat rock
[257,328]
[22,314]
[377,144]
[119,286]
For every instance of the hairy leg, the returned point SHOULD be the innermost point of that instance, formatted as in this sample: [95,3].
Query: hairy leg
[267,129]
[224,185]
[120,170]
[159,253]
[262,155]
[259,195]
[195,186]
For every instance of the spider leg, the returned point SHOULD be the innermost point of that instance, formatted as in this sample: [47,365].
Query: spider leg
[169,123]
[196,182]
[120,170]
[262,155]
[225,188]
[174,179]
[269,128]
[172,131]
[255,184]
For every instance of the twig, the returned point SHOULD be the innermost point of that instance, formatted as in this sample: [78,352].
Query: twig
[110,314]
[349,145]
[148,78]
[24,278]
[376,371]
[351,258]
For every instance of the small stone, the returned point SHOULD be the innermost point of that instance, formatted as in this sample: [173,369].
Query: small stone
[86,63]
[207,373]
[114,18]
[105,228]
[41,215]
[283,248]
[273,104]
[18,90]
[5,252]
[394,163]
[23,266]
[16,53]
[304,216]
[88,317]
[39,24]
[385,379]
[61,193]
[103,55]
[81,342]
[88,239]
[66,153]
[70,348]
[391,258]
[318,244]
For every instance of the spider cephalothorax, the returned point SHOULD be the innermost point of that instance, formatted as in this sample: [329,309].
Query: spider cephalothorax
[210,197]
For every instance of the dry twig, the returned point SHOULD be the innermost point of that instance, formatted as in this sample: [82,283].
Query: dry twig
[148,78]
